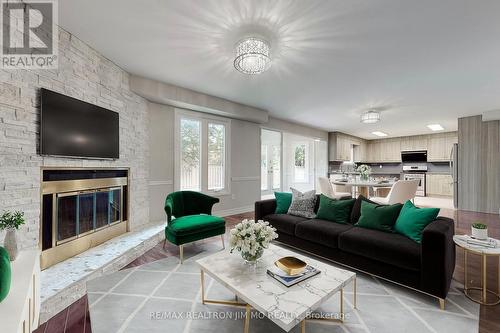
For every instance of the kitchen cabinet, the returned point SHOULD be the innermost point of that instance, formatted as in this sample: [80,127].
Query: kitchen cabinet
[360,152]
[439,184]
[440,145]
[388,150]
[416,142]
[391,150]
[341,147]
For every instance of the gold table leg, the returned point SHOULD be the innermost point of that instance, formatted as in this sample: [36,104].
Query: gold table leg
[202,274]
[247,319]
[342,305]
[465,269]
[212,301]
[355,295]
[303,326]
[483,289]
[484,279]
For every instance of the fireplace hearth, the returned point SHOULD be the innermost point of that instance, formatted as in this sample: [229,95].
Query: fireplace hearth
[81,208]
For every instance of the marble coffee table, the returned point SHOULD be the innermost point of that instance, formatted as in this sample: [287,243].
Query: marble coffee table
[286,307]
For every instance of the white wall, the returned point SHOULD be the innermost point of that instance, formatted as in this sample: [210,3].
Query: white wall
[245,163]
[294,128]
[161,157]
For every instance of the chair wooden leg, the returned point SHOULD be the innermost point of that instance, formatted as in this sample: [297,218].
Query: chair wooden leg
[441,303]
[164,243]
[181,252]
[222,239]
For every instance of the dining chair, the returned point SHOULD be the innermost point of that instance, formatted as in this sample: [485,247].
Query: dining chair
[401,191]
[327,189]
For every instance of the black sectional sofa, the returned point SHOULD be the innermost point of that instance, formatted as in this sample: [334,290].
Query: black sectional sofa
[426,267]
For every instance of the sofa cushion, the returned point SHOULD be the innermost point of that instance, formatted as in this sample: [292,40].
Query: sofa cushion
[190,224]
[284,222]
[390,248]
[338,211]
[413,220]
[380,217]
[303,203]
[356,209]
[283,202]
[321,231]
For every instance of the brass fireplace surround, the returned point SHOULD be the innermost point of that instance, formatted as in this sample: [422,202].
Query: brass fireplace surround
[63,249]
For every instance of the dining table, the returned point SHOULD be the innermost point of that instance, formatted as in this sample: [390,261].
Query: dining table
[363,186]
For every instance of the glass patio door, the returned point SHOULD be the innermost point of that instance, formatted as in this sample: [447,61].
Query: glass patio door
[270,171]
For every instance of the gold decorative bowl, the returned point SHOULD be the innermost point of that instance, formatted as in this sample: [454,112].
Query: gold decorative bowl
[291,265]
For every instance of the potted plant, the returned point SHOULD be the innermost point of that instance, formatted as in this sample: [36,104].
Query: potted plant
[364,171]
[250,238]
[479,231]
[11,221]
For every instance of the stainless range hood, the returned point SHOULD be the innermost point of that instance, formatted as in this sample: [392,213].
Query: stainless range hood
[414,156]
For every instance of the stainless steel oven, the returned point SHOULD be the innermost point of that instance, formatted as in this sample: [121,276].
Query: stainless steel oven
[416,171]
[420,176]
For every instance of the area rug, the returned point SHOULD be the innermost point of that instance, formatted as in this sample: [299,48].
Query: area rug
[164,296]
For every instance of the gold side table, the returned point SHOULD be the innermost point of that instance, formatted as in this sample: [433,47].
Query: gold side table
[484,252]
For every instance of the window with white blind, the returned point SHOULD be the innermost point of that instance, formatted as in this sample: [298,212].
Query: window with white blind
[201,152]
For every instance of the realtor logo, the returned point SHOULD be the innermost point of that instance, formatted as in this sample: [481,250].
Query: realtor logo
[29,34]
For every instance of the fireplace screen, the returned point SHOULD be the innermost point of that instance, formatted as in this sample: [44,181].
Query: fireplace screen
[79,213]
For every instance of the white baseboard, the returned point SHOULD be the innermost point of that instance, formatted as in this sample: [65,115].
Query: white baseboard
[234,211]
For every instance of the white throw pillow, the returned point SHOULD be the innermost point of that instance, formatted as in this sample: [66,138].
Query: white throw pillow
[303,203]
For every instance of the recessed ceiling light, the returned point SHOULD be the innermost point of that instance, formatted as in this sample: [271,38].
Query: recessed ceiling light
[435,127]
[378,133]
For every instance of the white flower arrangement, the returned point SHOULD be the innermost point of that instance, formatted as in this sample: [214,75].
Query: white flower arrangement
[251,238]
[364,170]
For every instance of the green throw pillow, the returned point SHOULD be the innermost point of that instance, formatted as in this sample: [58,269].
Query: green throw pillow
[283,202]
[335,210]
[413,220]
[5,273]
[380,217]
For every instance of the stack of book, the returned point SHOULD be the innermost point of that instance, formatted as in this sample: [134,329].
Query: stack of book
[491,243]
[290,277]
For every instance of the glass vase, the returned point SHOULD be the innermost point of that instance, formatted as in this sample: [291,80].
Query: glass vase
[252,259]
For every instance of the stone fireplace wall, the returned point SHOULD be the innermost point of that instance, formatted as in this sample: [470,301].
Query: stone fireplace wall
[84,74]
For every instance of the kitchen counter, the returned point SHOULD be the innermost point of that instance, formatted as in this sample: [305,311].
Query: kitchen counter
[438,173]
[373,173]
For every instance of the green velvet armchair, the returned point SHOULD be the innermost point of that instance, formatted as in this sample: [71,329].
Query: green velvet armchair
[189,218]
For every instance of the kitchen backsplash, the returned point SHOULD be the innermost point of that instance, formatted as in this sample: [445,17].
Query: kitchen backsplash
[386,167]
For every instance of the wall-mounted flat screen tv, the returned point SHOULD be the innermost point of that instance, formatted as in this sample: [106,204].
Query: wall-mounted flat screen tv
[73,128]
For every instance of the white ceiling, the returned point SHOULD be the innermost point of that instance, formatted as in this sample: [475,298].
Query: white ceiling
[420,62]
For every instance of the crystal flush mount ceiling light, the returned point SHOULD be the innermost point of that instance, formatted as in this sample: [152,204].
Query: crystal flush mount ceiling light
[370,117]
[252,56]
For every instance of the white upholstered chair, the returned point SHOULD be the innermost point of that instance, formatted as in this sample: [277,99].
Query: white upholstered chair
[326,188]
[401,191]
